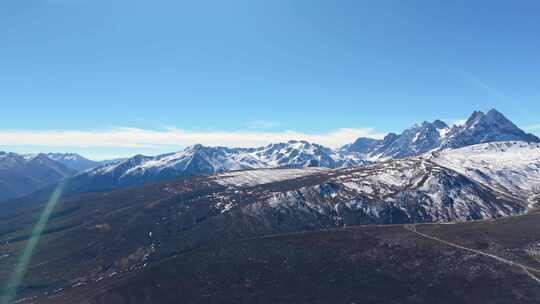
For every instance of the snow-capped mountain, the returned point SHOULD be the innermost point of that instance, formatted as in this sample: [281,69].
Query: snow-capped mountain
[474,182]
[202,160]
[73,161]
[23,174]
[437,135]
[481,181]
[300,154]
[482,128]
[413,141]
[400,191]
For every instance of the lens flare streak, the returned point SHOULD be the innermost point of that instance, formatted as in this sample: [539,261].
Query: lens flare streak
[23,261]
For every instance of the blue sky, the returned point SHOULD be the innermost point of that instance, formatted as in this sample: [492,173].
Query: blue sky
[115,78]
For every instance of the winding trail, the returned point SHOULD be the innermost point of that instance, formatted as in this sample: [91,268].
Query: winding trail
[526,269]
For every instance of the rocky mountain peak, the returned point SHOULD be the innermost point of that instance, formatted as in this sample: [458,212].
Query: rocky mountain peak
[479,128]
[439,124]
[482,128]
[389,138]
[195,147]
[474,118]
[362,145]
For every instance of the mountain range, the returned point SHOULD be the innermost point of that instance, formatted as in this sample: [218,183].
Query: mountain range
[437,135]
[21,175]
[87,175]
[202,160]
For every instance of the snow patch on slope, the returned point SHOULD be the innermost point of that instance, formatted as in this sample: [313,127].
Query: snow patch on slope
[251,178]
[512,166]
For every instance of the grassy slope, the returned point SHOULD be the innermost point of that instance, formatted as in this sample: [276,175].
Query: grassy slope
[370,264]
[353,265]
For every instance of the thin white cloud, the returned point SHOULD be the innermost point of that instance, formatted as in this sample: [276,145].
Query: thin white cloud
[262,124]
[142,138]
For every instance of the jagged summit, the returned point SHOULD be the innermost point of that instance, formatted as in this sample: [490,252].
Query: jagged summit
[483,128]
[474,117]
[362,145]
[413,141]
[439,124]
[479,128]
